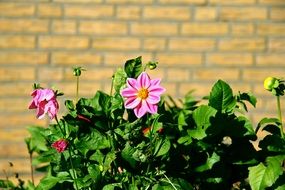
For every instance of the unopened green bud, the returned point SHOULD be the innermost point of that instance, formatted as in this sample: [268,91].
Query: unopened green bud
[152,65]
[77,71]
[270,83]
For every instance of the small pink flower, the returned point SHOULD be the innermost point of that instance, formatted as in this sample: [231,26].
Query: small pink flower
[44,100]
[142,94]
[60,145]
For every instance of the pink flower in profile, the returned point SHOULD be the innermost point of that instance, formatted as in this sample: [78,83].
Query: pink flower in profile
[142,94]
[44,100]
[60,145]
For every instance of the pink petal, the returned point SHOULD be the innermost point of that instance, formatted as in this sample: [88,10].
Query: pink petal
[149,107]
[128,92]
[140,111]
[156,90]
[32,105]
[131,103]
[153,98]
[51,108]
[143,80]
[40,113]
[155,82]
[47,94]
[132,83]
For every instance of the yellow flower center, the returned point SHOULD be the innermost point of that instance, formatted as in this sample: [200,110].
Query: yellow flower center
[143,93]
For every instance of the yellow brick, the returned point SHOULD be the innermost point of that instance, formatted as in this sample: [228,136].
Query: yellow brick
[271,59]
[21,120]
[205,13]
[154,29]
[178,75]
[16,88]
[14,105]
[16,9]
[78,1]
[103,27]
[215,74]
[200,89]
[259,75]
[179,59]
[171,88]
[19,165]
[277,45]
[50,74]
[272,2]
[21,25]
[119,59]
[230,59]
[14,73]
[86,89]
[64,27]
[229,13]
[193,44]
[34,58]
[98,11]
[277,14]
[111,43]
[99,74]
[75,58]
[128,12]
[14,150]
[63,42]
[242,29]
[200,2]
[154,44]
[49,10]
[130,1]
[232,2]
[168,13]
[15,41]
[242,44]
[205,29]
[271,29]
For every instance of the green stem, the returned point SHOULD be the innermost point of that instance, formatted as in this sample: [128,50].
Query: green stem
[280,116]
[170,181]
[112,86]
[77,88]
[32,169]
[70,158]
[74,173]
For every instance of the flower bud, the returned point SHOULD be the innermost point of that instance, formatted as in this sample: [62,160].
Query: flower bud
[76,72]
[152,65]
[60,145]
[270,83]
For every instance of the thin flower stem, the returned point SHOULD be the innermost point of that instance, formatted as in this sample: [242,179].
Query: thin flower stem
[7,178]
[280,116]
[70,158]
[32,168]
[77,88]
[169,181]
[59,125]
[112,86]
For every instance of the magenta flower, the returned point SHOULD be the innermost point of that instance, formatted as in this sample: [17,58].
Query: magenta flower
[44,100]
[60,145]
[142,94]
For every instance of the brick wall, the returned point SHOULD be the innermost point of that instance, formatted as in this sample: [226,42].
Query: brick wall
[195,41]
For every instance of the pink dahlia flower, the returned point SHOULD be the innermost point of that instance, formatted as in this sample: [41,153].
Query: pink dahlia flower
[142,94]
[44,100]
[60,145]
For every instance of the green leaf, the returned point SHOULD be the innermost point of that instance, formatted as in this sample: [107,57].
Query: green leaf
[112,186]
[273,143]
[133,67]
[47,183]
[37,140]
[94,141]
[119,80]
[221,97]
[209,163]
[266,121]
[127,155]
[263,176]
[162,146]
